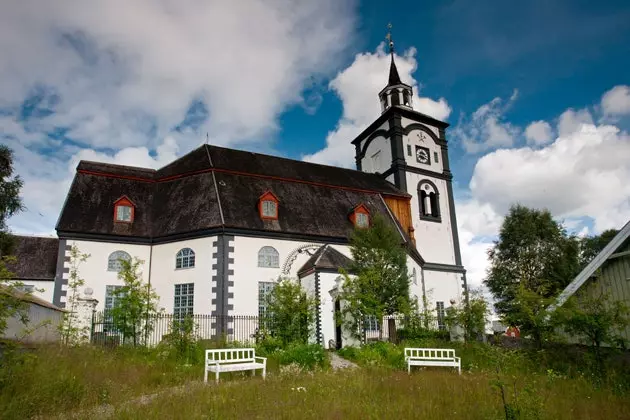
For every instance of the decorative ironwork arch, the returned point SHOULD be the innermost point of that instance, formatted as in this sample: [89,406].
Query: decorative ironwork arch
[309,249]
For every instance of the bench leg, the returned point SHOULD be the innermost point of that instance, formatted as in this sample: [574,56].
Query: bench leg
[264,374]
[205,376]
[216,376]
[459,369]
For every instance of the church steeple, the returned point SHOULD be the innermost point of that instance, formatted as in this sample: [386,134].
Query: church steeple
[396,93]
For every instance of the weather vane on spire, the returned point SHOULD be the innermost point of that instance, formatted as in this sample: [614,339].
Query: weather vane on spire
[388,37]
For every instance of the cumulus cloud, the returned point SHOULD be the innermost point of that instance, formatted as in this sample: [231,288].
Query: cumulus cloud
[486,129]
[357,86]
[616,101]
[538,133]
[571,121]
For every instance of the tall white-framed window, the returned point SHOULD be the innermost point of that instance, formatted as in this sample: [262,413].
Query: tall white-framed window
[264,290]
[113,261]
[268,257]
[370,323]
[185,258]
[184,299]
[441,315]
[111,297]
[414,276]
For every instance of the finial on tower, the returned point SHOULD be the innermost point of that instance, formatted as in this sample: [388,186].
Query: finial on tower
[389,38]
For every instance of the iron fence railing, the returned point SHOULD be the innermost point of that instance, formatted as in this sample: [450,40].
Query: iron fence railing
[151,330]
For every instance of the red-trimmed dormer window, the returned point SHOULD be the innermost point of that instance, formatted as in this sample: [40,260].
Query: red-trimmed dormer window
[124,210]
[268,206]
[360,217]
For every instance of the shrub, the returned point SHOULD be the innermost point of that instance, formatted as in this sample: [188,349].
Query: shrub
[307,356]
[380,353]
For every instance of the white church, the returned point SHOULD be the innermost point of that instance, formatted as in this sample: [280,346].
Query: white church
[218,227]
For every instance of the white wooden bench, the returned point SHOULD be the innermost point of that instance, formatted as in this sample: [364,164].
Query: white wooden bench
[232,360]
[432,357]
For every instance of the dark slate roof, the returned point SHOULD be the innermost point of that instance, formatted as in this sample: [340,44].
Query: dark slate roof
[214,187]
[35,258]
[394,78]
[326,258]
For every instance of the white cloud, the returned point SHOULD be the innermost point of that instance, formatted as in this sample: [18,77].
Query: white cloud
[486,129]
[571,121]
[616,101]
[582,174]
[539,133]
[126,72]
[357,86]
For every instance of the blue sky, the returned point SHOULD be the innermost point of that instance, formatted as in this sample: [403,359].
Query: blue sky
[536,94]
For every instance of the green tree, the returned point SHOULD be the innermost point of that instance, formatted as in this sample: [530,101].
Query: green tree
[380,285]
[135,310]
[72,332]
[590,246]
[11,305]
[290,315]
[530,263]
[592,315]
[471,317]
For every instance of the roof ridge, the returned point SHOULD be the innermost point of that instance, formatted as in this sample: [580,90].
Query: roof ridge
[117,165]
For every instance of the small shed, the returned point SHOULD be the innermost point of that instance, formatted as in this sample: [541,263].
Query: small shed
[608,272]
[44,320]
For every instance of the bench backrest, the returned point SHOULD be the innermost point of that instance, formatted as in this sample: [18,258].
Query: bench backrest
[430,354]
[230,356]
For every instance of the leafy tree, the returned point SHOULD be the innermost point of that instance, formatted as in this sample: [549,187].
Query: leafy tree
[530,263]
[10,201]
[471,317]
[590,246]
[380,285]
[11,306]
[593,316]
[290,313]
[135,310]
[72,332]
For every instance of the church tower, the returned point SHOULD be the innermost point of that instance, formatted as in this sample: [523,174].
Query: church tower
[410,150]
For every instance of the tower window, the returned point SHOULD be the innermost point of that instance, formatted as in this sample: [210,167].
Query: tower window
[408,150]
[429,201]
[435,157]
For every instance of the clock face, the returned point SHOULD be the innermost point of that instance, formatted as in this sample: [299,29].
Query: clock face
[422,155]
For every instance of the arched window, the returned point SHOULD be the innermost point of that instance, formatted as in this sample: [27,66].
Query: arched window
[429,198]
[113,262]
[185,258]
[268,257]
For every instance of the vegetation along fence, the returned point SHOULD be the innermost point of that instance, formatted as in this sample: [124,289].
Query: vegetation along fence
[106,330]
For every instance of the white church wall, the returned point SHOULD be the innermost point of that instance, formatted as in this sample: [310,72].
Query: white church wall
[434,240]
[378,156]
[327,282]
[164,275]
[247,274]
[442,287]
[406,121]
[94,269]
[415,281]
[308,285]
[413,140]
[41,288]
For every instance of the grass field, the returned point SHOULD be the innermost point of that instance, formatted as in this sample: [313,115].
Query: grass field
[60,382]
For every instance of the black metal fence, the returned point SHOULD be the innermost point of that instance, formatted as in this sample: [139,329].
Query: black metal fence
[156,328]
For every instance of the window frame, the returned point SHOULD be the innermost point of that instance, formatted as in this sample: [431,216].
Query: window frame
[181,311]
[275,254]
[185,254]
[124,201]
[441,315]
[434,198]
[268,196]
[363,210]
[264,289]
[121,255]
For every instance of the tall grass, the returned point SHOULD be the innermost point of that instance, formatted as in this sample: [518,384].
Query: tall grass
[377,394]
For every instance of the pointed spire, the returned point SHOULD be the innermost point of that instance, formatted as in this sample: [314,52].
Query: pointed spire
[394,78]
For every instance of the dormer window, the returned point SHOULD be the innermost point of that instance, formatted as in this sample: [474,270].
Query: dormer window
[124,210]
[268,206]
[360,217]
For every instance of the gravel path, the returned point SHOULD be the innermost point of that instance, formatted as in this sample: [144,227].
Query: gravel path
[339,362]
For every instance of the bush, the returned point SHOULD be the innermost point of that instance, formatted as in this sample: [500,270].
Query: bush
[376,354]
[307,356]
[419,333]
